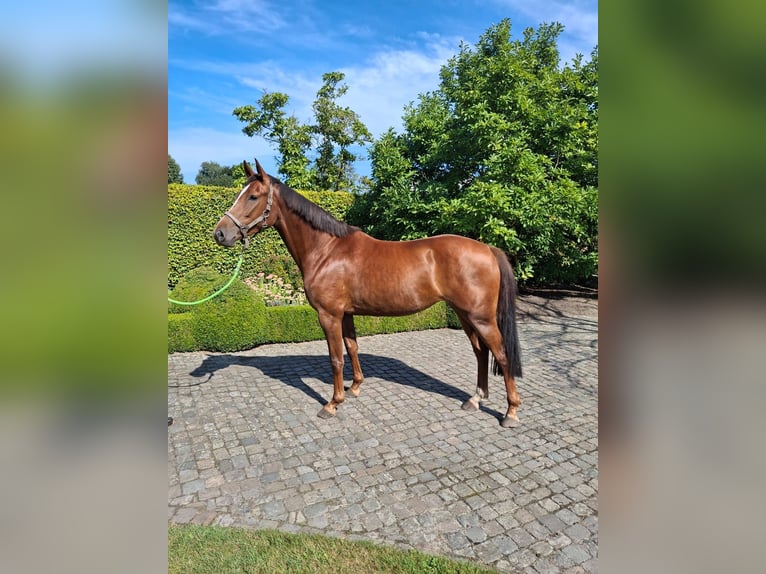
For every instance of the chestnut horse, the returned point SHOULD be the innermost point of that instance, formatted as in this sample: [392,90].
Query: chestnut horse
[346,272]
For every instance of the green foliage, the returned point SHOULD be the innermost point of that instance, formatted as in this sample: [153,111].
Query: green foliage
[285,268]
[505,151]
[335,131]
[180,335]
[336,127]
[292,324]
[195,285]
[212,173]
[230,322]
[193,212]
[238,176]
[434,317]
[275,290]
[174,171]
[293,139]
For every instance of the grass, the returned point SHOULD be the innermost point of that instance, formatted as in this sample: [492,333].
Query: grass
[198,549]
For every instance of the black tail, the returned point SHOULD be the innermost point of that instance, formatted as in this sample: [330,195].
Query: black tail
[506,316]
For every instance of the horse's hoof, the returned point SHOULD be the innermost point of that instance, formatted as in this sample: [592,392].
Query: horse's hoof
[510,422]
[470,405]
[325,414]
[354,392]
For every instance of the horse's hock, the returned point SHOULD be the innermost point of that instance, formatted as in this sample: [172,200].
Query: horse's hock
[402,464]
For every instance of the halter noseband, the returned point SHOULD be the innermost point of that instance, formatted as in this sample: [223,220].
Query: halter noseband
[262,218]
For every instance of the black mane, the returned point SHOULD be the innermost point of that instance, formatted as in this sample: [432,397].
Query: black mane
[312,214]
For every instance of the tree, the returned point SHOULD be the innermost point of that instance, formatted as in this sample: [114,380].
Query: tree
[504,151]
[293,140]
[335,131]
[212,173]
[174,171]
[336,127]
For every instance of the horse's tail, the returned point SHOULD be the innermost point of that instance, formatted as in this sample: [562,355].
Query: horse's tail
[506,316]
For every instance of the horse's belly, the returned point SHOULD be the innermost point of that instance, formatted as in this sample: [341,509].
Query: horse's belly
[392,305]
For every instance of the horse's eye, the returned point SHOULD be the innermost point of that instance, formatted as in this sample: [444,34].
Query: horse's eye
[253,197]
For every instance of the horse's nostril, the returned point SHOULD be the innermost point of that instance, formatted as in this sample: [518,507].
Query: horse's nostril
[218,235]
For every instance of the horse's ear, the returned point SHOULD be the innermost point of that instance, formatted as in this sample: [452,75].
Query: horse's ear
[248,169]
[259,169]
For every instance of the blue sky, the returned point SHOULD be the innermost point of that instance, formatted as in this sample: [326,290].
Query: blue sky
[225,53]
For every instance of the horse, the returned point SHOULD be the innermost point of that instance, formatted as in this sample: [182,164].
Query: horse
[347,272]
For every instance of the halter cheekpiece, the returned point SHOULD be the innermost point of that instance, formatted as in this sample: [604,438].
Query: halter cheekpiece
[262,218]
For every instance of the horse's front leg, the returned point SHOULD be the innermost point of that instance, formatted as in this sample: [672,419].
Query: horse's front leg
[349,338]
[332,327]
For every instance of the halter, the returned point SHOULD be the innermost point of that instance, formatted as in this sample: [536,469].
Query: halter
[262,218]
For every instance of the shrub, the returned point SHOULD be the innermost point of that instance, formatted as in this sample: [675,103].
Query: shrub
[195,285]
[233,321]
[180,336]
[292,324]
[230,322]
[275,291]
[285,268]
[432,318]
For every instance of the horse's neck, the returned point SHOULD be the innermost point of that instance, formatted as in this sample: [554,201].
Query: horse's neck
[302,241]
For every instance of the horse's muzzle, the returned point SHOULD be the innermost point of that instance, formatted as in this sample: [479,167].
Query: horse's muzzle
[226,237]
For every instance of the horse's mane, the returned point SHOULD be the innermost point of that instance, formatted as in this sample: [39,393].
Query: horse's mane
[312,214]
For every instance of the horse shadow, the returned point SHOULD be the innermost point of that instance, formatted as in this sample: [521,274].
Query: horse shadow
[291,371]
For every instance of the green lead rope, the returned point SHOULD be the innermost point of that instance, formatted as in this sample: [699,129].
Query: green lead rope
[221,290]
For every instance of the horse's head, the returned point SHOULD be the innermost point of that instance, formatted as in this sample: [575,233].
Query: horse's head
[251,211]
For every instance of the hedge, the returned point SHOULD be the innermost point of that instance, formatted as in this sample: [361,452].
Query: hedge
[194,210]
[238,319]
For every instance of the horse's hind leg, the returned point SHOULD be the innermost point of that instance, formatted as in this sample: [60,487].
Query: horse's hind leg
[352,348]
[482,358]
[491,335]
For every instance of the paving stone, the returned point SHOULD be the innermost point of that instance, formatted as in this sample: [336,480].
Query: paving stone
[578,533]
[403,464]
[475,534]
[315,510]
[488,552]
[456,540]
[577,552]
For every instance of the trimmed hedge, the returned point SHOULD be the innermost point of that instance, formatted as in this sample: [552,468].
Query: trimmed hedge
[194,210]
[238,319]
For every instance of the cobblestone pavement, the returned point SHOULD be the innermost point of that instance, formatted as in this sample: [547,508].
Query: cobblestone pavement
[402,464]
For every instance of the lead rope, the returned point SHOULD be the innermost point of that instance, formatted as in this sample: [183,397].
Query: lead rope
[221,290]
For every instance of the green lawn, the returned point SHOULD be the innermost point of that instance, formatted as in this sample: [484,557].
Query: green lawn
[217,549]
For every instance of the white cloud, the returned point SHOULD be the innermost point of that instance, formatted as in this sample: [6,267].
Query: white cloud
[225,17]
[380,90]
[579,17]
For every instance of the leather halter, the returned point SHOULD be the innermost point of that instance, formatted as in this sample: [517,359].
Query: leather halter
[262,218]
